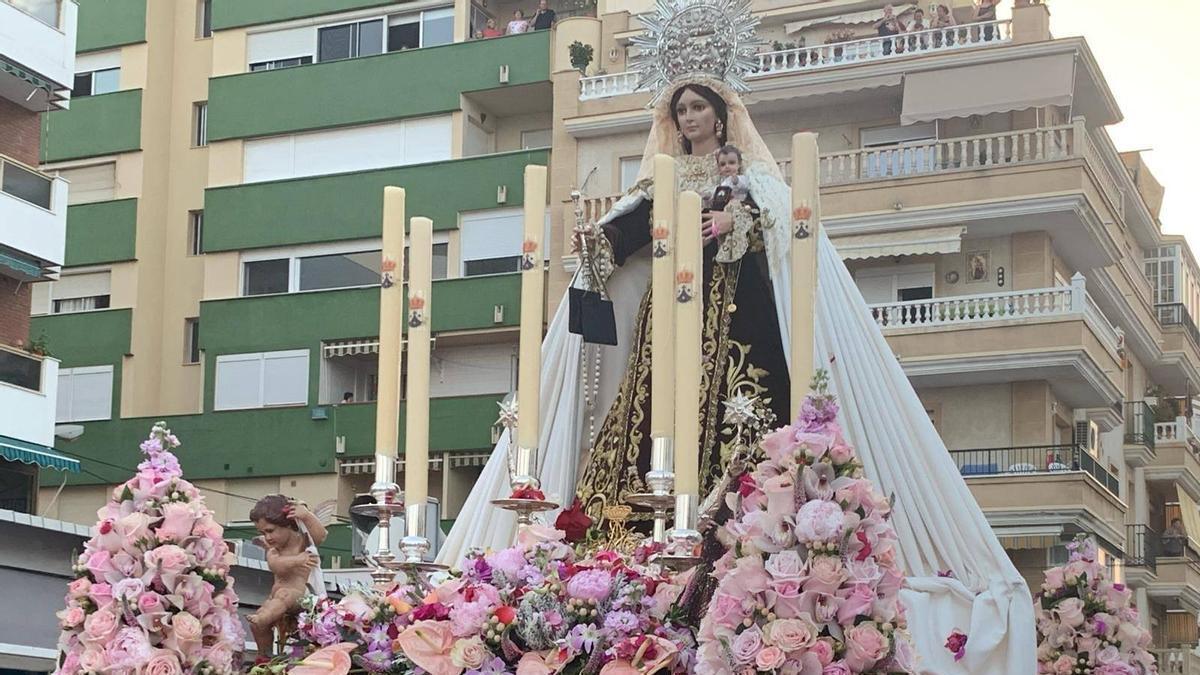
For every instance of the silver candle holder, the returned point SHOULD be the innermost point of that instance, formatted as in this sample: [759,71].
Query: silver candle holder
[683,542]
[415,545]
[661,481]
[385,491]
[523,480]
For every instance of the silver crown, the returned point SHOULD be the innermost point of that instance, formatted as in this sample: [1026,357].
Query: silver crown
[687,39]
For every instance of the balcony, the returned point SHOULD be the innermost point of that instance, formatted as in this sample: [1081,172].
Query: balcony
[1059,333]
[1140,433]
[1054,485]
[1176,583]
[37,52]
[28,395]
[1177,661]
[820,57]
[33,217]
[1176,460]
[106,124]
[1143,546]
[331,94]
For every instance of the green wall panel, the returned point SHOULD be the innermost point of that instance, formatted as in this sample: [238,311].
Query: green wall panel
[370,89]
[101,232]
[350,205]
[95,125]
[235,13]
[304,320]
[110,23]
[267,442]
[89,339]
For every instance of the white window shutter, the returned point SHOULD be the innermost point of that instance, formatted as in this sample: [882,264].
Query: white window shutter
[239,382]
[285,378]
[491,234]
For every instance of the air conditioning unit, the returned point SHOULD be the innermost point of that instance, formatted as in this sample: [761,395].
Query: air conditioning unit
[1087,436]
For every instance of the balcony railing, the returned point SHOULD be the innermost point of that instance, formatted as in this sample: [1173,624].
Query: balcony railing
[1177,661]
[1179,430]
[46,11]
[832,55]
[1139,424]
[1176,314]
[25,183]
[20,370]
[1142,546]
[1037,459]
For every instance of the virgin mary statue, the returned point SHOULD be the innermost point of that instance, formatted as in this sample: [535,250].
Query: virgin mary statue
[959,576]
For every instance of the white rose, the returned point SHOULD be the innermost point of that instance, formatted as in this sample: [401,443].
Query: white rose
[469,653]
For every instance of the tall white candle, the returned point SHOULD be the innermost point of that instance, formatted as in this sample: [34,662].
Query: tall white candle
[533,280]
[806,214]
[662,319]
[391,316]
[689,305]
[420,287]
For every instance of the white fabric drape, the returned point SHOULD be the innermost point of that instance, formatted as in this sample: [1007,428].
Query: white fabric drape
[939,524]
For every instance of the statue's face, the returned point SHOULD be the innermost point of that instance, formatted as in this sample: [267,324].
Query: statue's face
[273,535]
[696,117]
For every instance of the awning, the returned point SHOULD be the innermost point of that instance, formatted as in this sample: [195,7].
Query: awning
[1191,518]
[838,85]
[904,242]
[350,347]
[16,450]
[846,18]
[28,271]
[1027,537]
[988,88]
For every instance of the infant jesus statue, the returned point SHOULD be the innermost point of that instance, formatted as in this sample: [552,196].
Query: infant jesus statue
[291,534]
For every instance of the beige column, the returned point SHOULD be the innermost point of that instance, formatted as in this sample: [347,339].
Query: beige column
[1030,21]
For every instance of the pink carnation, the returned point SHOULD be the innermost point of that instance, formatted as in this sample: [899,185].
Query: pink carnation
[590,585]
[819,521]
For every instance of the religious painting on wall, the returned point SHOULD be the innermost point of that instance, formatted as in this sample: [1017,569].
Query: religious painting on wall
[978,266]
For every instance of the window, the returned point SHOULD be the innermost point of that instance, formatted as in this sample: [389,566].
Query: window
[195,232]
[25,184]
[265,276]
[95,183]
[191,340]
[200,124]
[340,270]
[349,367]
[280,63]
[372,146]
[96,82]
[537,138]
[422,29]
[85,394]
[20,369]
[204,18]
[441,259]
[629,172]
[350,40]
[80,292]
[261,380]
[896,283]
[491,241]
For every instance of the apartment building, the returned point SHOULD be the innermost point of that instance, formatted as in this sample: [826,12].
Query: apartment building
[37,53]
[1012,256]
[223,236]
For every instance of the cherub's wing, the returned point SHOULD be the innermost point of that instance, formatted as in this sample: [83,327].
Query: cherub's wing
[325,511]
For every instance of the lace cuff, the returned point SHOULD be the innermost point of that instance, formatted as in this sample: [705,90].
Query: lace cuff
[735,242]
[603,262]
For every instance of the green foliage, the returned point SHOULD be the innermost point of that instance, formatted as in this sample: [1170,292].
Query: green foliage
[581,56]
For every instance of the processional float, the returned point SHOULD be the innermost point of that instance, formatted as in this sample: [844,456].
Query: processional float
[673,479]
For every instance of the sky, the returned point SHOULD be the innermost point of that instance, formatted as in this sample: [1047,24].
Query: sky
[1148,52]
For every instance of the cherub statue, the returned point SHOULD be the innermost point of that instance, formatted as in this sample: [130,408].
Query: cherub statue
[291,534]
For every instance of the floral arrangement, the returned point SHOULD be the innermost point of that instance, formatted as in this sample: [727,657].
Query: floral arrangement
[810,585]
[1085,622]
[532,609]
[152,593]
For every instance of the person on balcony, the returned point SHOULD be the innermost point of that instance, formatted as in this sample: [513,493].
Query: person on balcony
[519,23]
[943,19]
[985,12]
[918,26]
[490,30]
[544,17]
[1173,538]
[888,26]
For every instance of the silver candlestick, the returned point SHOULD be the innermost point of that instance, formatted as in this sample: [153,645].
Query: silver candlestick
[661,481]
[683,542]
[523,479]
[415,545]
[386,505]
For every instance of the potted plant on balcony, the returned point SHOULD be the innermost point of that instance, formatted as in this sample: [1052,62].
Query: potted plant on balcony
[839,36]
[581,56]
[38,347]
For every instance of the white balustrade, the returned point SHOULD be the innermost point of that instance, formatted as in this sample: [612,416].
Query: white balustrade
[831,55]
[1019,146]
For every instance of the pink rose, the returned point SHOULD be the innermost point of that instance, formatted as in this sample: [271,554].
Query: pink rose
[99,627]
[150,602]
[785,566]
[785,599]
[815,445]
[93,660]
[1054,578]
[99,563]
[133,527]
[840,452]
[187,628]
[1070,612]
[533,535]
[779,445]
[769,658]
[129,649]
[101,594]
[1118,668]
[177,522]
[823,650]
[169,561]
[726,610]
[163,662]
[746,646]
[70,617]
[747,577]
[1107,655]
[790,634]
[79,588]
[469,653]
[865,646]
[825,573]
[819,521]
